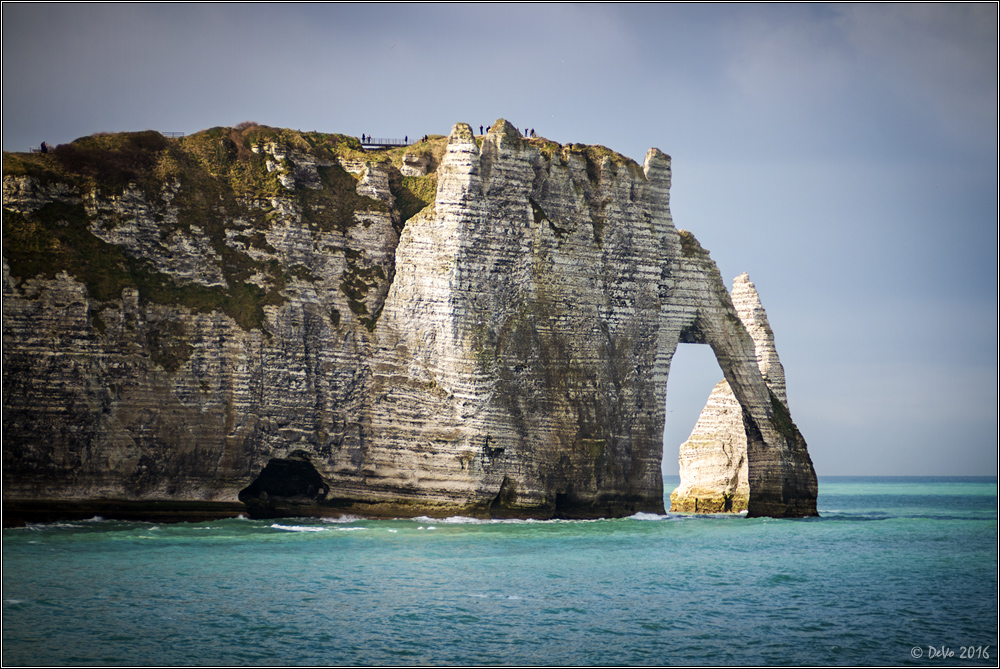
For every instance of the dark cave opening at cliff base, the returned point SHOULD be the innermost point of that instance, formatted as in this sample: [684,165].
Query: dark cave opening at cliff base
[694,372]
[282,484]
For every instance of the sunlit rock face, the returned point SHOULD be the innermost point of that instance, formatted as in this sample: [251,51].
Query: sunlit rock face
[304,338]
[713,460]
[518,346]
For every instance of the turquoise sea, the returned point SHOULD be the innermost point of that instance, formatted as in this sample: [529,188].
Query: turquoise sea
[896,571]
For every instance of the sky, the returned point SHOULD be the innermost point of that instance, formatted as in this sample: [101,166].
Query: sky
[845,156]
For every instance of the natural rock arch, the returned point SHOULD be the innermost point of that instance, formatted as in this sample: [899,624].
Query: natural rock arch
[563,289]
[715,461]
[502,351]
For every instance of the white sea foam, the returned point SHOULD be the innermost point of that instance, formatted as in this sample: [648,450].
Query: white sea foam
[298,528]
[455,520]
[342,519]
[350,529]
[45,526]
[468,520]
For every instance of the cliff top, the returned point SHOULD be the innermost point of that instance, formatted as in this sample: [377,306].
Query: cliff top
[148,158]
[200,183]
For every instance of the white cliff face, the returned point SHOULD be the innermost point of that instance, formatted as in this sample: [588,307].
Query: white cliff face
[506,354]
[501,305]
[293,167]
[415,165]
[751,312]
[24,194]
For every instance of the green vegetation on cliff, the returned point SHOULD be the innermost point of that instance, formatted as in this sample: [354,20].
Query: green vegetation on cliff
[690,247]
[209,180]
[56,239]
[225,185]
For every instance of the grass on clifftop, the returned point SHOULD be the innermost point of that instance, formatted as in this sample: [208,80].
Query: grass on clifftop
[413,194]
[433,147]
[690,247]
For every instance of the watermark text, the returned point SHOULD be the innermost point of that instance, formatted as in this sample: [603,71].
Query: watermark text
[948,653]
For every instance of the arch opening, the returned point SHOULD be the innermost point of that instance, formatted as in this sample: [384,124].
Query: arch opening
[694,372]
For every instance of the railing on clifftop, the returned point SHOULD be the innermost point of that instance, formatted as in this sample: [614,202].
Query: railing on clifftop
[372,143]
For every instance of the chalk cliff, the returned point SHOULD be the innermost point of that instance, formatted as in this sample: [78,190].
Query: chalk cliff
[478,325]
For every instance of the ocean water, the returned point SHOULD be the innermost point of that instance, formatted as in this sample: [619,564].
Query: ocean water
[896,571]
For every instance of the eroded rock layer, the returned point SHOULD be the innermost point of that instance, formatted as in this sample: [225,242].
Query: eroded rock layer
[478,325]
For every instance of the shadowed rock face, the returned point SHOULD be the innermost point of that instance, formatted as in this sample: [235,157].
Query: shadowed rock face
[505,354]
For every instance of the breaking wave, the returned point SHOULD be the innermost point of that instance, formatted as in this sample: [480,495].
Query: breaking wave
[298,528]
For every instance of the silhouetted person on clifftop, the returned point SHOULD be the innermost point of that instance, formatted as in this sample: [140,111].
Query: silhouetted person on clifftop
[45,147]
